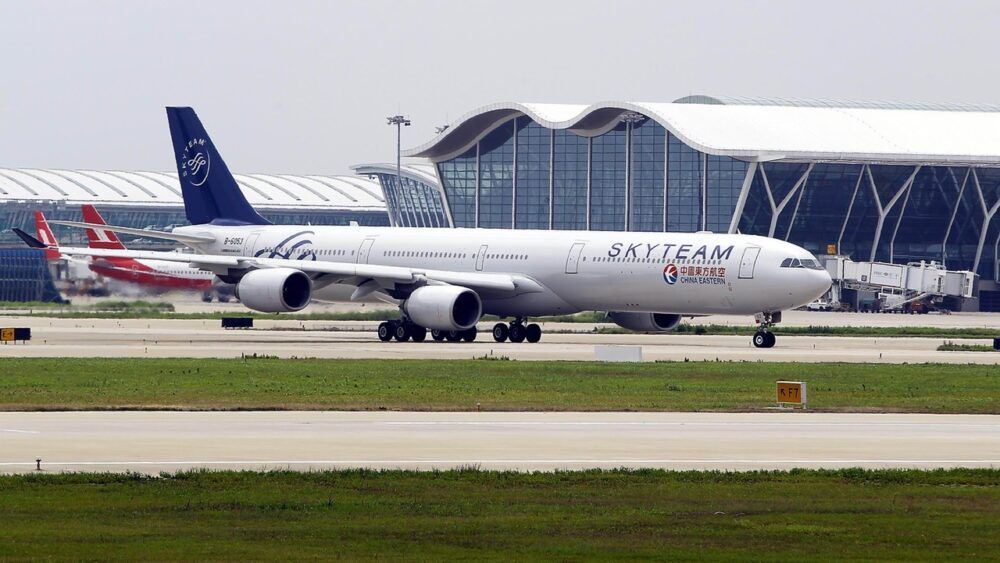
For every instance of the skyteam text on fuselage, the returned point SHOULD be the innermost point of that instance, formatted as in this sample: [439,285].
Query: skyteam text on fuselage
[446,279]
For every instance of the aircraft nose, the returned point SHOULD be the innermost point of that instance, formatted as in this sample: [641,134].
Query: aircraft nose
[820,282]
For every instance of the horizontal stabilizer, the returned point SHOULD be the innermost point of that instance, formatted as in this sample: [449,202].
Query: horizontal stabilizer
[186,239]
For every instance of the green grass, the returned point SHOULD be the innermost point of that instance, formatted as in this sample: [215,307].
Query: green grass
[817,515]
[956,347]
[268,383]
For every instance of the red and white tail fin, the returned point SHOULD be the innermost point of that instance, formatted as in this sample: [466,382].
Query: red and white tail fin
[100,238]
[44,234]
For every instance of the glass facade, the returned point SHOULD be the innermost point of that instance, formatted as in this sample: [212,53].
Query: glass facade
[570,175]
[607,180]
[634,175]
[723,186]
[648,174]
[685,168]
[413,203]
[496,178]
[532,194]
[459,178]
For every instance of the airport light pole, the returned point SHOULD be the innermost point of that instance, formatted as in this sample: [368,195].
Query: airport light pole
[399,121]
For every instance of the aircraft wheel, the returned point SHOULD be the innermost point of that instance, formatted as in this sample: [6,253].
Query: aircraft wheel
[470,334]
[385,332]
[453,335]
[533,333]
[500,332]
[771,340]
[437,335]
[760,339]
[418,333]
[517,333]
[401,333]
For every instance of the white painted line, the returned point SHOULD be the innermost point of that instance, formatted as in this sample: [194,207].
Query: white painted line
[783,424]
[19,431]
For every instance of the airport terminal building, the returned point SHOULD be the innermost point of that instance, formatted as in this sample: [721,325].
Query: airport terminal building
[153,199]
[878,182]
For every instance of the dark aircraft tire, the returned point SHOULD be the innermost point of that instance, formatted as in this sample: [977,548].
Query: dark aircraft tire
[453,336]
[771,340]
[760,339]
[470,334]
[533,333]
[402,333]
[437,335]
[500,332]
[517,333]
[418,333]
[385,332]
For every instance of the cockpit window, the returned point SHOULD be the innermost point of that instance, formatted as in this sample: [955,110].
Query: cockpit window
[810,263]
[807,263]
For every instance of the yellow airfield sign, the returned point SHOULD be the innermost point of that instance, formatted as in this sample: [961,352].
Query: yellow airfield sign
[791,393]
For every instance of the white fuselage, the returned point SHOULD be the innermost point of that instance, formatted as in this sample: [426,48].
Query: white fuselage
[685,273]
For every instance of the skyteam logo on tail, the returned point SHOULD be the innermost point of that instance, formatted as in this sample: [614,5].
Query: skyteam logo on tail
[195,162]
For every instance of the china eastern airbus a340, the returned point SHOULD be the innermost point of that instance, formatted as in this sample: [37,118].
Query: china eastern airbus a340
[444,280]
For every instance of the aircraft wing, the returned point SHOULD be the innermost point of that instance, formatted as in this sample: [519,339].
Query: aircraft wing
[177,237]
[335,272]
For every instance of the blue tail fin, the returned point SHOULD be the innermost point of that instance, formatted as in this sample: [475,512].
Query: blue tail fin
[211,194]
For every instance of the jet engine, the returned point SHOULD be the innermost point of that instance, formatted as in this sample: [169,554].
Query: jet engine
[645,322]
[275,290]
[444,307]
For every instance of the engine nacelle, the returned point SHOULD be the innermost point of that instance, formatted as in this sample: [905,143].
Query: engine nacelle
[444,307]
[275,290]
[646,322]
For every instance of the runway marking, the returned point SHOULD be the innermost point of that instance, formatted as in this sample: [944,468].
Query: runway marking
[504,461]
[19,431]
[942,424]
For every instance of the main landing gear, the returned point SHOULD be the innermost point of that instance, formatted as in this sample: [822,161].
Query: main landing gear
[403,330]
[517,331]
[764,338]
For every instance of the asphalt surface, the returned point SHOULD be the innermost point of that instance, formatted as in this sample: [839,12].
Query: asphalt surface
[169,441]
[351,339]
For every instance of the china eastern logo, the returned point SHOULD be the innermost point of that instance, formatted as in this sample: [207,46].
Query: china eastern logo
[195,162]
[670,274]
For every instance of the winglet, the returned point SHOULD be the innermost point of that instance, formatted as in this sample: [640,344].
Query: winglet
[29,240]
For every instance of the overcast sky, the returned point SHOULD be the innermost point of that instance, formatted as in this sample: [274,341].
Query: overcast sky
[304,87]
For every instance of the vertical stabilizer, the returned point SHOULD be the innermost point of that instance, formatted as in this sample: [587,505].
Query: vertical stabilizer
[100,238]
[211,194]
[44,234]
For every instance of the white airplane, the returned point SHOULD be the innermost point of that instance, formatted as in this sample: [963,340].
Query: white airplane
[446,279]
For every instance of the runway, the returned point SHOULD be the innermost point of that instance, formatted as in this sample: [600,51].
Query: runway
[151,442]
[353,339]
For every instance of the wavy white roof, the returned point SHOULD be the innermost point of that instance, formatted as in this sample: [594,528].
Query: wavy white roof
[420,171]
[267,191]
[765,132]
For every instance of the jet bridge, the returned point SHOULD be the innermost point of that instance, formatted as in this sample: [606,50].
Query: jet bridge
[913,287]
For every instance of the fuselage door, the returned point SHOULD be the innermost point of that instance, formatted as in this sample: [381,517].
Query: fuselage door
[748,262]
[365,250]
[481,258]
[250,243]
[573,259]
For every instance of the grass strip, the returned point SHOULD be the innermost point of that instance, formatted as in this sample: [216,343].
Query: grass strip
[457,385]
[798,515]
[958,347]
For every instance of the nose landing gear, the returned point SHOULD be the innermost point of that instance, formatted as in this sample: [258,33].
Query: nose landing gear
[517,331]
[764,338]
